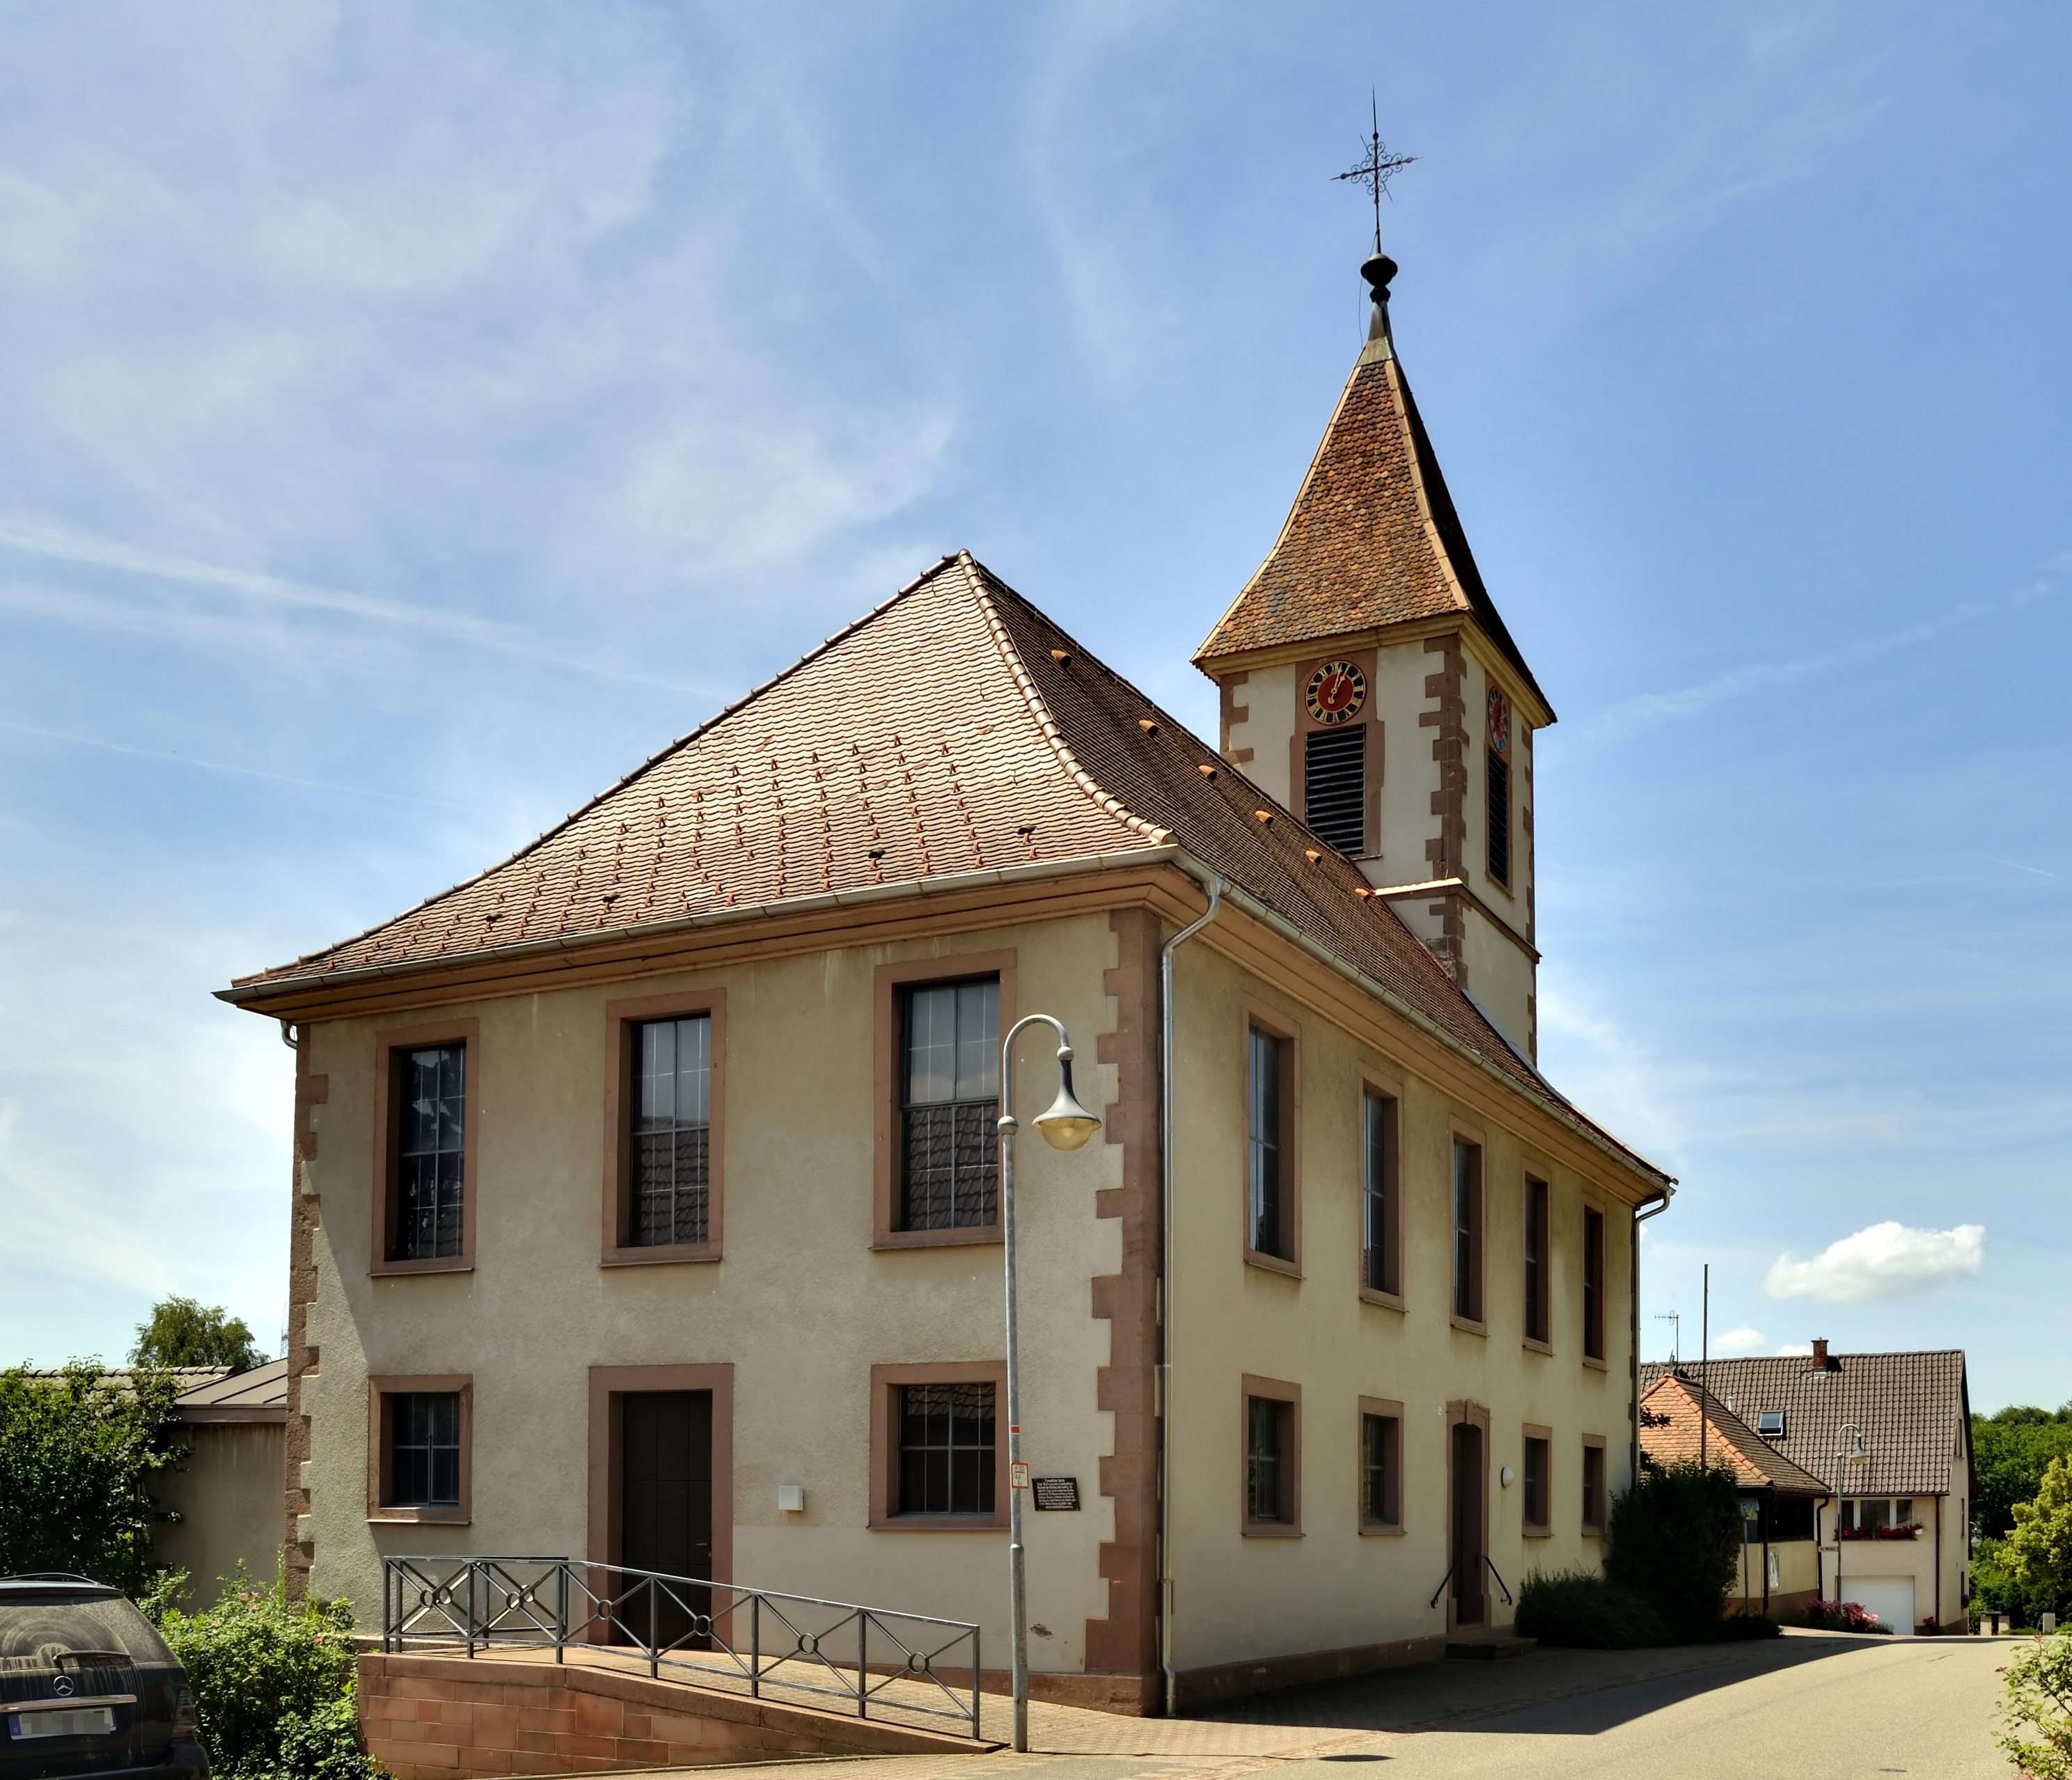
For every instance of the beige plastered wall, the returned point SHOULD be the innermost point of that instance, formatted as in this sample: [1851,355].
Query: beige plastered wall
[1915,1558]
[229,1499]
[1500,976]
[1240,1597]
[801,1306]
[1268,697]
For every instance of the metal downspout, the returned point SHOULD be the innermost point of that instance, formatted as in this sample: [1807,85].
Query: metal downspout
[1166,1290]
[1633,1353]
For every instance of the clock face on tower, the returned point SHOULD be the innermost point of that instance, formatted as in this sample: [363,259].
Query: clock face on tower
[1336,690]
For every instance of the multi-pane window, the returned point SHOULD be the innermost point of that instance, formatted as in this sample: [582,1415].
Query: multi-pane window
[431,1153]
[1593,1487]
[1267,1220]
[1537,1451]
[946,1449]
[1500,818]
[1467,1231]
[950,1106]
[1593,1283]
[424,1449]
[1269,1460]
[1384,1263]
[1334,786]
[671,1136]
[1537,1320]
[1381,1470]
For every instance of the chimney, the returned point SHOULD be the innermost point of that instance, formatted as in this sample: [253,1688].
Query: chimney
[1820,1351]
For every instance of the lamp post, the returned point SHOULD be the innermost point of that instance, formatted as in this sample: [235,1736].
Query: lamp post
[1854,1450]
[1066,1125]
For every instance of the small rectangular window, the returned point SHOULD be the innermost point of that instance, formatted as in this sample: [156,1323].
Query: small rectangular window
[1467,1230]
[1381,1470]
[424,1449]
[1594,1283]
[946,1449]
[1334,786]
[1593,1489]
[1770,1423]
[1536,1481]
[1269,1484]
[431,1160]
[672,1135]
[1537,1318]
[950,1106]
[1268,1219]
[1383,1233]
[1873,1512]
[1499,819]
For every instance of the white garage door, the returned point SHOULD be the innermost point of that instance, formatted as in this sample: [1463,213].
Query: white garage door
[1891,1598]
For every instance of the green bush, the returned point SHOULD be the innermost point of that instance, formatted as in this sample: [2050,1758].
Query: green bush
[76,1454]
[1579,1609]
[1677,1541]
[1739,1627]
[2036,1718]
[274,1680]
[2037,1555]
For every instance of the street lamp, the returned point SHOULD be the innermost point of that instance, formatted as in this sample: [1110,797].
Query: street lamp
[1851,1451]
[1066,1126]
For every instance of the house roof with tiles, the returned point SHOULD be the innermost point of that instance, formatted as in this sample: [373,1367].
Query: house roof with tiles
[1913,1410]
[1671,1411]
[1373,538]
[954,733]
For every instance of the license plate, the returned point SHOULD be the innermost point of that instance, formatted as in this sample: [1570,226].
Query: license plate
[88,1721]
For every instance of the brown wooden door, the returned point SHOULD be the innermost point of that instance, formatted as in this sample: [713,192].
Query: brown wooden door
[666,1512]
[1470,1595]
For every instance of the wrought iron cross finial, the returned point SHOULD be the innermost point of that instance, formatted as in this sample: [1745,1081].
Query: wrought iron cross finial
[1376,171]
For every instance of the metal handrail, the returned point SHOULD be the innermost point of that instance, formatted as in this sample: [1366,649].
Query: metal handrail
[897,1665]
[1448,1576]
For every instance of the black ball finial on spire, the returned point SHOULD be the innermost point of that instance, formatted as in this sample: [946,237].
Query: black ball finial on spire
[1378,269]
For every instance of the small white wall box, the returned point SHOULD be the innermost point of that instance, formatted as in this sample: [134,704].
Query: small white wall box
[1507,1477]
[791,1498]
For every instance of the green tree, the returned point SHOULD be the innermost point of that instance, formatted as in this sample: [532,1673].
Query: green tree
[185,1331]
[1677,1541]
[2009,1451]
[2038,1552]
[2036,1721]
[77,1455]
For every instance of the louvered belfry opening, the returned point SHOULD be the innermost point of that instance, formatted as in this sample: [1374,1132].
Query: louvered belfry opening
[1499,819]
[1334,786]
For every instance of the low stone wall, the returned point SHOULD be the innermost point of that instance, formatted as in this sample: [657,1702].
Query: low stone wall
[435,1718]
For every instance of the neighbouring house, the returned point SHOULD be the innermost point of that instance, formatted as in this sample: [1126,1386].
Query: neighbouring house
[233,1425]
[1890,1436]
[646,1191]
[227,1492]
[1781,1502]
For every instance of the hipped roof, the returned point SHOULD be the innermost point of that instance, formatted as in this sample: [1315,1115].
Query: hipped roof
[954,730]
[1678,1407]
[1372,540]
[1913,1410]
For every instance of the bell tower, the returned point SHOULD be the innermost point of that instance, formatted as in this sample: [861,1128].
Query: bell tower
[1368,683]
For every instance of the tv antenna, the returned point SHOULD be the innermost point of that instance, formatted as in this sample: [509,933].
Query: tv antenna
[1675,1323]
[1378,168]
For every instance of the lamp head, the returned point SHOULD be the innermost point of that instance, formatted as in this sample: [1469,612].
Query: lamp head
[1067,1125]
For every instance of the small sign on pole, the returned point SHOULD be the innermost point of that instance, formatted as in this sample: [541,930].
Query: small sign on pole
[1017,1474]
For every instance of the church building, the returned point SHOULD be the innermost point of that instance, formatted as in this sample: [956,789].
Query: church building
[675,1132]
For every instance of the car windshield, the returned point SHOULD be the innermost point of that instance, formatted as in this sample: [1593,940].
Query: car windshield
[37,1629]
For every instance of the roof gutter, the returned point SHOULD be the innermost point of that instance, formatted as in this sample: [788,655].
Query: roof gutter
[1240,898]
[1633,1346]
[253,994]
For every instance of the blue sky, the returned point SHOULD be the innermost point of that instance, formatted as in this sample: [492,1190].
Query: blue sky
[411,416]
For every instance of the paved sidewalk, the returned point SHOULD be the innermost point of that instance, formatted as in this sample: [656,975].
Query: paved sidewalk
[1808,1703]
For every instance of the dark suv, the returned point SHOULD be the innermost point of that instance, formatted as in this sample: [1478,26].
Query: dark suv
[89,1688]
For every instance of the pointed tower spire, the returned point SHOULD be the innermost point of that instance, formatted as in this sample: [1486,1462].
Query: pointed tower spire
[1369,615]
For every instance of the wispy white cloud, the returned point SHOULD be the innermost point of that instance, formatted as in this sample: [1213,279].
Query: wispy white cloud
[1795,1350]
[1635,715]
[1743,1340]
[1887,1260]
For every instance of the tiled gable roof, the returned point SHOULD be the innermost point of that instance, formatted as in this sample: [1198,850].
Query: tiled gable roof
[1913,1410]
[954,730]
[1373,538]
[1676,1405]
